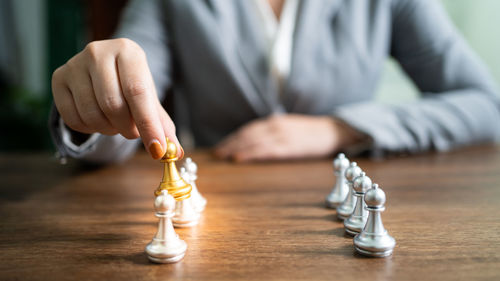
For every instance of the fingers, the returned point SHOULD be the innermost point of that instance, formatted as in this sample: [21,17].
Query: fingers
[169,129]
[265,147]
[66,105]
[85,100]
[260,152]
[108,88]
[249,135]
[110,99]
[282,137]
[139,92]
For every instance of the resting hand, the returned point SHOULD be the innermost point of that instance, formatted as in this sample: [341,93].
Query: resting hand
[287,137]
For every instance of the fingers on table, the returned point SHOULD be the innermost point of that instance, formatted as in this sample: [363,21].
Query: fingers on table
[255,140]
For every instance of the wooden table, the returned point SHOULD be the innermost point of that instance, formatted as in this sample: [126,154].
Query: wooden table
[263,221]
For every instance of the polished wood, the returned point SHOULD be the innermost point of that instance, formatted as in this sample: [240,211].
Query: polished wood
[264,221]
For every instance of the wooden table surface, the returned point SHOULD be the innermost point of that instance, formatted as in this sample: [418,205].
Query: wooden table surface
[263,221]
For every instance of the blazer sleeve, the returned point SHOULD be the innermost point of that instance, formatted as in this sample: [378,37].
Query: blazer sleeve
[144,23]
[460,104]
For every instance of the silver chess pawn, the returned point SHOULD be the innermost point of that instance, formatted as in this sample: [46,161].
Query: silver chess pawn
[374,241]
[197,200]
[166,246]
[347,207]
[340,190]
[356,222]
[185,214]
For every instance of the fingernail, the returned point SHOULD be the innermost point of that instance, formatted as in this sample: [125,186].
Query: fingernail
[182,152]
[155,149]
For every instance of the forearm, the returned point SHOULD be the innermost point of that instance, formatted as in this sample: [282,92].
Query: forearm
[440,122]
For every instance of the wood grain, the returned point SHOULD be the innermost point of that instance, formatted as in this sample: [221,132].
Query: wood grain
[264,221]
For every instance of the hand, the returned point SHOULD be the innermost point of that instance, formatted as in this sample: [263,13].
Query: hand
[286,137]
[108,88]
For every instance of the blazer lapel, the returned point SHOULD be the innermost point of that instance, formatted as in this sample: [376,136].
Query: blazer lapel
[311,14]
[245,46]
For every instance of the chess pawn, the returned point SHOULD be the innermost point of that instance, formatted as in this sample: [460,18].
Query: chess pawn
[356,222]
[374,241]
[175,185]
[340,190]
[185,214]
[166,246]
[198,201]
[171,181]
[347,207]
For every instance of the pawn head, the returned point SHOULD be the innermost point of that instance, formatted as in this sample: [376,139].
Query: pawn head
[362,183]
[171,151]
[352,172]
[191,167]
[184,173]
[375,197]
[164,203]
[340,163]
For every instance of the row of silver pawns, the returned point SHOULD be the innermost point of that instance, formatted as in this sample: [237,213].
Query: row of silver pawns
[359,203]
[166,246]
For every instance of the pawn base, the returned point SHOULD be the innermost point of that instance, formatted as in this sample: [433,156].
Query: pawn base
[343,216]
[185,215]
[166,260]
[344,211]
[181,224]
[332,204]
[161,251]
[381,254]
[351,232]
[199,205]
[354,224]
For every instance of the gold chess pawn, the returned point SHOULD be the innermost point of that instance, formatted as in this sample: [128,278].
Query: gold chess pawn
[175,185]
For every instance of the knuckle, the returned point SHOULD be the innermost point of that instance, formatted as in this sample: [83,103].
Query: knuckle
[123,43]
[128,45]
[112,105]
[92,51]
[73,67]
[58,75]
[135,89]
[72,64]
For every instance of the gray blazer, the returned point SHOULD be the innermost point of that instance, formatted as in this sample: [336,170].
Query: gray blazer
[211,55]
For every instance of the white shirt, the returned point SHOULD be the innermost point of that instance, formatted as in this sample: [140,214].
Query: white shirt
[279,36]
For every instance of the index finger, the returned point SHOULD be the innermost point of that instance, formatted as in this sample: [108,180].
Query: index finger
[140,93]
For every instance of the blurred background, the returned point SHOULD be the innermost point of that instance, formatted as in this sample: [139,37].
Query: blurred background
[37,36]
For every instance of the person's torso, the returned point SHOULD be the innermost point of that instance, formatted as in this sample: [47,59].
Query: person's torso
[221,65]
